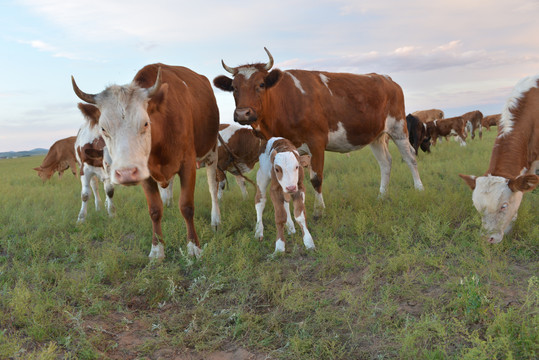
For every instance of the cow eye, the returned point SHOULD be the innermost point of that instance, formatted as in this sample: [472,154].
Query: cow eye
[297,167]
[277,170]
[262,85]
[504,206]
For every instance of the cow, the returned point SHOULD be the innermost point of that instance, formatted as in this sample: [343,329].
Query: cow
[282,167]
[94,163]
[157,126]
[319,111]
[446,127]
[473,122]
[428,115]
[513,162]
[417,134]
[491,120]
[60,157]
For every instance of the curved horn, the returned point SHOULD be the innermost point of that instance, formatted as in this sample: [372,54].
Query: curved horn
[89,98]
[228,68]
[270,63]
[155,88]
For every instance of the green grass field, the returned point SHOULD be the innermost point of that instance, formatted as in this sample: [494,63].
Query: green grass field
[405,277]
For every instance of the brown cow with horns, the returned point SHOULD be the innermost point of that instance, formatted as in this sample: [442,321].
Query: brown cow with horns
[320,111]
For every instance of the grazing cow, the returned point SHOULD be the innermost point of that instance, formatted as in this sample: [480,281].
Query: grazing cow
[473,122]
[445,127]
[513,163]
[320,111]
[157,126]
[491,120]
[61,156]
[417,134]
[428,115]
[94,163]
[282,166]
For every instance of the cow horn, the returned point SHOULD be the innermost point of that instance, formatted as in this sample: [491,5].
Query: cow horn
[270,63]
[155,88]
[89,98]
[228,68]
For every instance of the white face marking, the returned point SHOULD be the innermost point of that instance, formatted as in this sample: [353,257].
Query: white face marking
[325,80]
[496,203]
[287,163]
[523,86]
[338,142]
[247,72]
[296,82]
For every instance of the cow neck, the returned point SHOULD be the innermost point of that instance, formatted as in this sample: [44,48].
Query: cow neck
[510,152]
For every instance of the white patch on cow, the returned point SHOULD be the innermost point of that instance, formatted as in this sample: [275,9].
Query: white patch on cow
[193,250]
[296,82]
[229,131]
[185,84]
[325,80]
[247,71]
[157,252]
[307,238]
[289,223]
[521,88]
[338,142]
[279,246]
[289,165]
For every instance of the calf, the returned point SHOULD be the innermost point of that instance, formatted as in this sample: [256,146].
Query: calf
[94,163]
[513,163]
[490,120]
[417,133]
[61,156]
[282,166]
[445,127]
[472,120]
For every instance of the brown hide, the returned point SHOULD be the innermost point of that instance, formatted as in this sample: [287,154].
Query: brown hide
[429,115]
[443,127]
[98,144]
[474,117]
[490,120]
[60,157]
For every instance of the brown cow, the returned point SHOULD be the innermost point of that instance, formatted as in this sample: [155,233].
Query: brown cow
[445,127]
[472,120]
[320,111]
[428,115]
[491,120]
[158,126]
[61,156]
[513,163]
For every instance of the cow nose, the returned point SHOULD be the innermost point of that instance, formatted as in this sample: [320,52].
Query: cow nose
[244,115]
[291,188]
[127,175]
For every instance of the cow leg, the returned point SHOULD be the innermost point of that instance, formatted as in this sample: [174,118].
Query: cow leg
[95,190]
[84,195]
[221,180]
[241,183]
[109,191]
[299,215]
[187,206]
[409,158]
[289,223]
[381,153]
[262,182]
[155,208]
[279,205]
[166,193]
[316,173]
[211,173]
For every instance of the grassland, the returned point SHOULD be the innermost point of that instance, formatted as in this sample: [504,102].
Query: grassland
[405,277]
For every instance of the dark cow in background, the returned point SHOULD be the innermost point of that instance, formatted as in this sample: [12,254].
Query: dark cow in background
[428,115]
[473,122]
[157,126]
[446,127]
[61,156]
[417,134]
[513,164]
[491,120]
[319,111]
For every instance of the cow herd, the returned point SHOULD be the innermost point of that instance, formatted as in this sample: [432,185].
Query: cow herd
[166,123]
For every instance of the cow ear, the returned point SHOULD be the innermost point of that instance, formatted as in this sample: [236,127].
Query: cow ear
[523,183]
[469,179]
[90,112]
[272,156]
[38,168]
[305,160]
[273,78]
[94,154]
[223,82]
[157,99]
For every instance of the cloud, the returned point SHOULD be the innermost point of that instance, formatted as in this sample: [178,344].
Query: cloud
[43,46]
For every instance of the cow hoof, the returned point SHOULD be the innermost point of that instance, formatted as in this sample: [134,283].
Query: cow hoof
[157,252]
[194,250]
[279,246]
[291,228]
[309,243]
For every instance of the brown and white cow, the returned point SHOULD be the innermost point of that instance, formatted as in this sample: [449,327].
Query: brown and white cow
[491,120]
[319,111]
[473,122]
[513,164]
[429,115]
[157,126]
[61,156]
[94,163]
[446,127]
[282,167]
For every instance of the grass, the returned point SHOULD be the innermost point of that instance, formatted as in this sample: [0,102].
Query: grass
[403,277]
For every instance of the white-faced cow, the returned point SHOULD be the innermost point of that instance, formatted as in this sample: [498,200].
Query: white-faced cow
[513,163]
[61,156]
[94,163]
[320,111]
[445,127]
[282,167]
[473,122]
[157,126]
[428,115]
[491,120]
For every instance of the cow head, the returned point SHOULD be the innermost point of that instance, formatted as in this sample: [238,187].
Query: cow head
[497,199]
[288,169]
[249,86]
[44,173]
[123,116]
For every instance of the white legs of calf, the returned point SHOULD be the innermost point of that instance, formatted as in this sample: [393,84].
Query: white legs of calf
[157,252]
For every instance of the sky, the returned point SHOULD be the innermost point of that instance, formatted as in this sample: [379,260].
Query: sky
[457,55]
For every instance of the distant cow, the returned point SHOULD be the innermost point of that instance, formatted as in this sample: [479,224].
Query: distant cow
[94,163]
[161,124]
[428,115]
[417,133]
[473,122]
[319,111]
[513,163]
[491,120]
[282,167]
[61,156]
[446,127]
